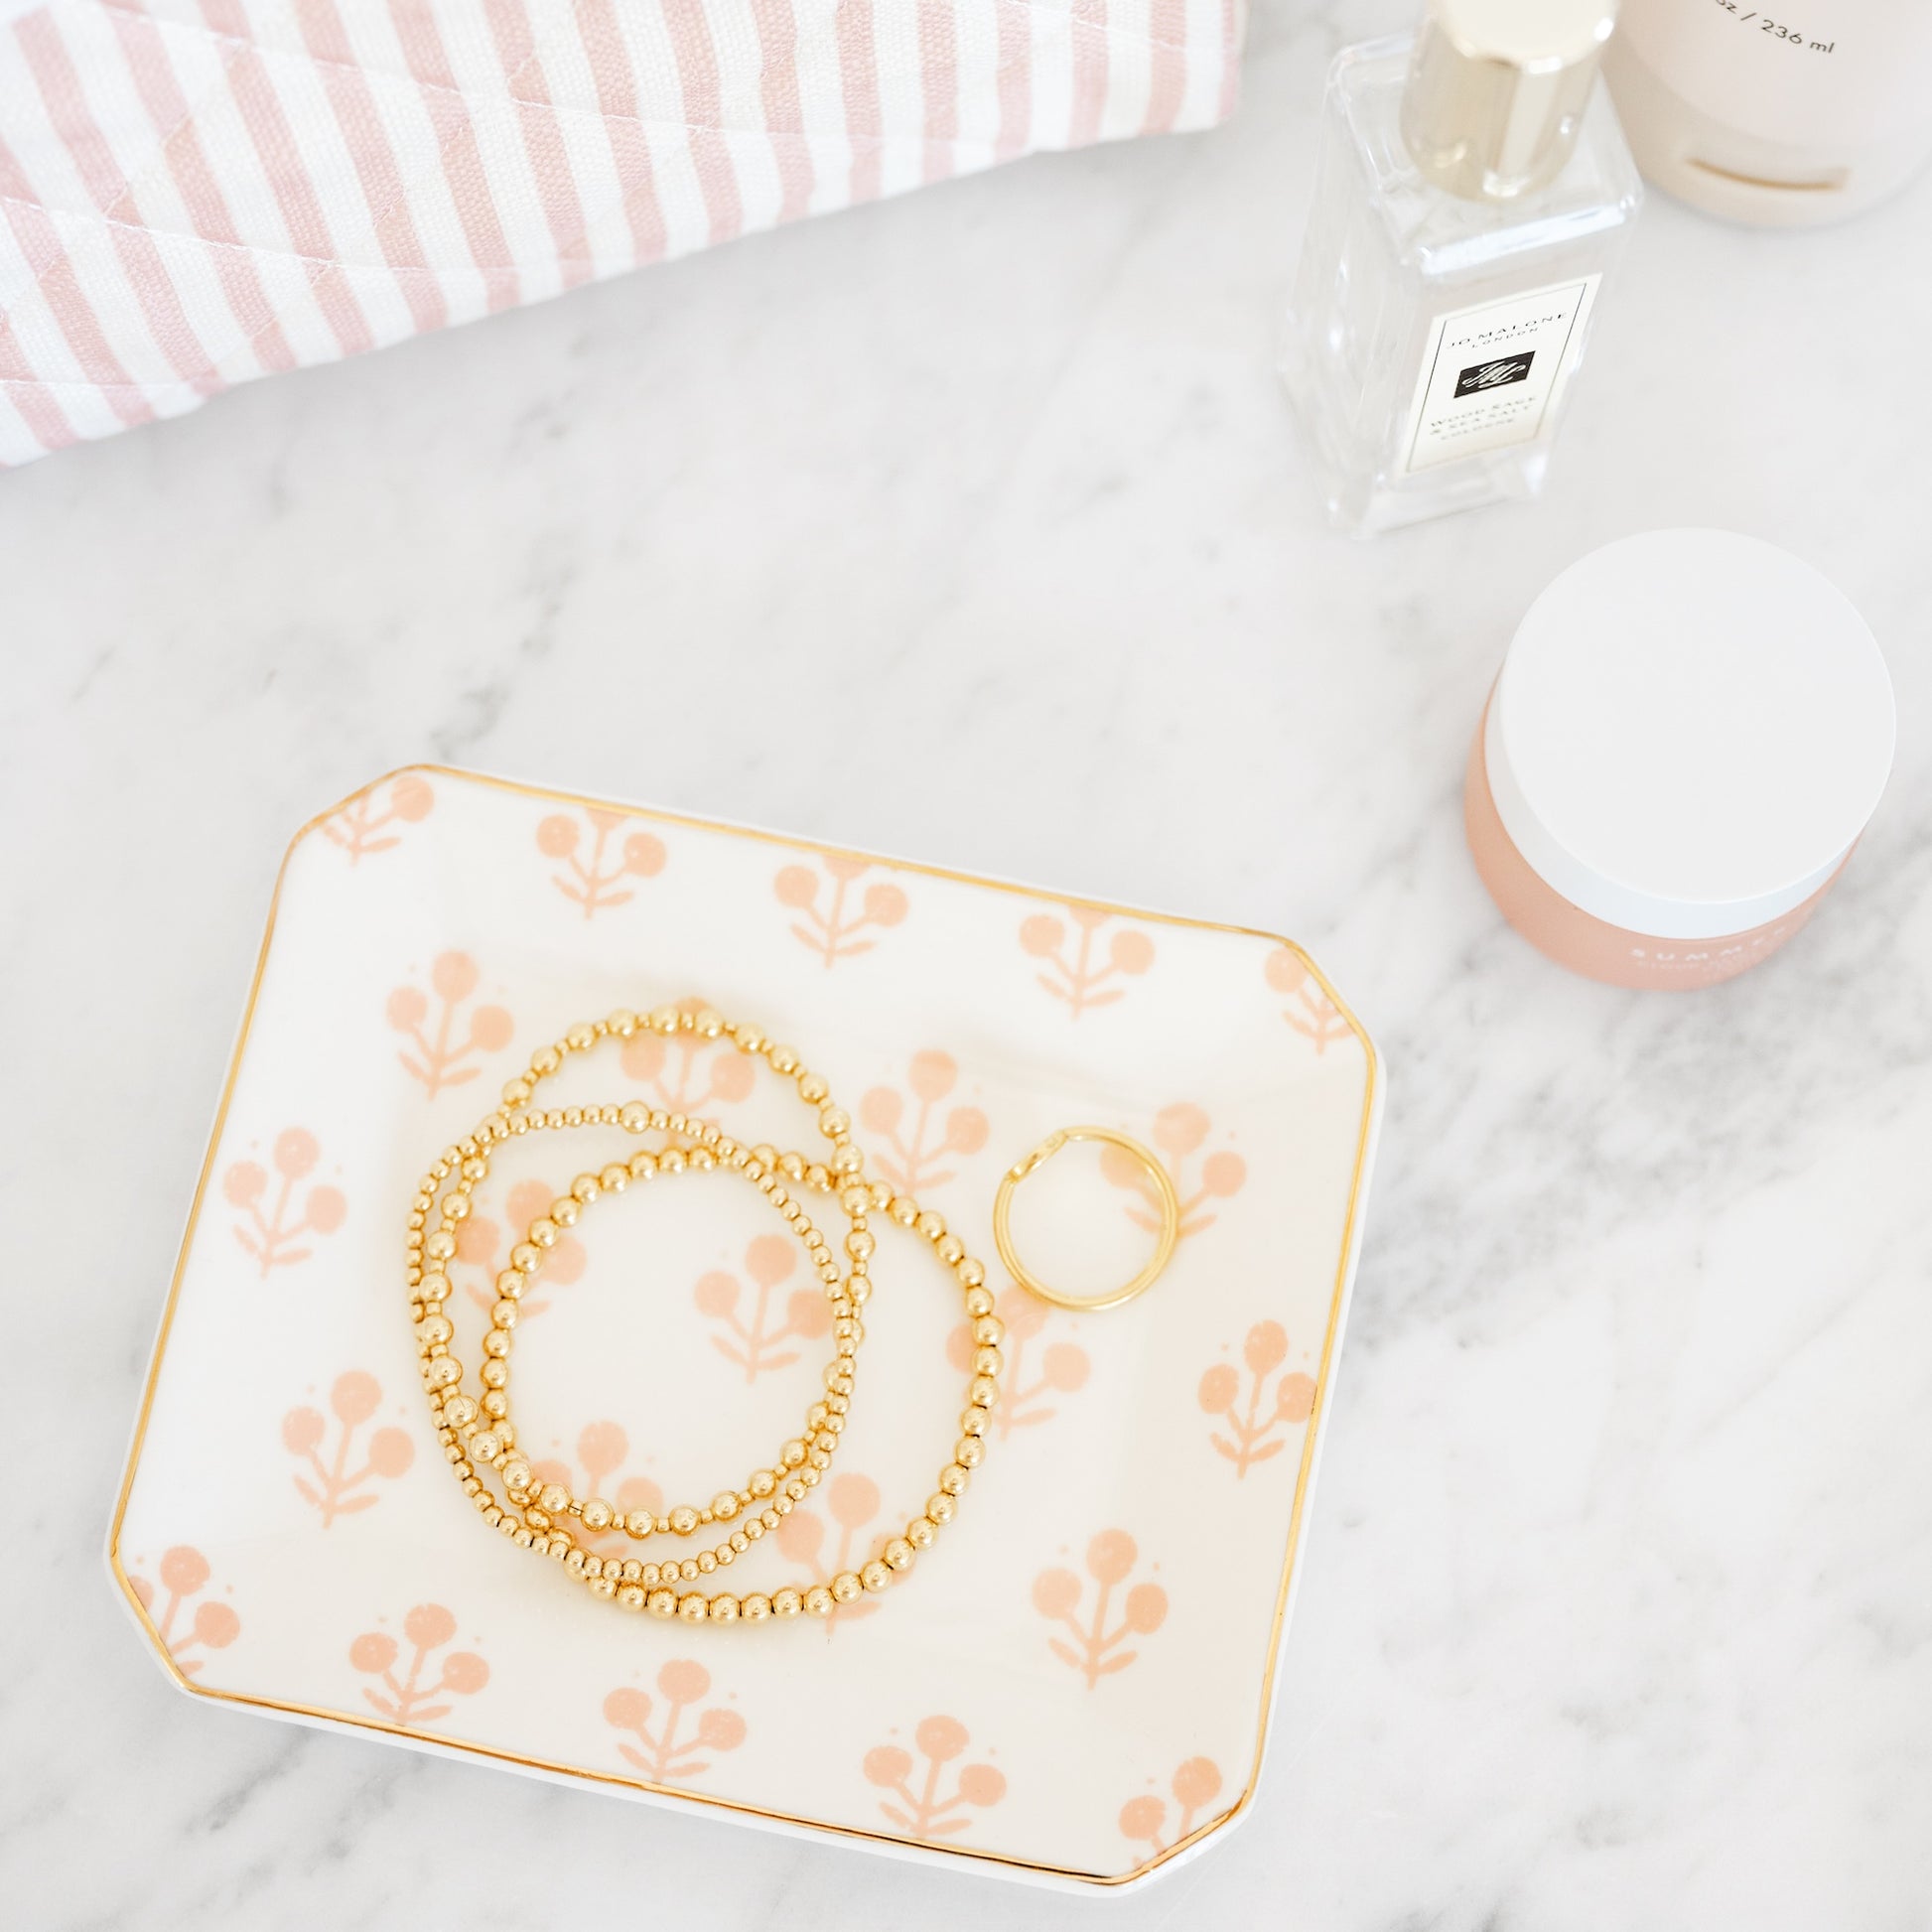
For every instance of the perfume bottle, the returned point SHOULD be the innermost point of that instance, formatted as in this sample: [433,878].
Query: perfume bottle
[1472,194]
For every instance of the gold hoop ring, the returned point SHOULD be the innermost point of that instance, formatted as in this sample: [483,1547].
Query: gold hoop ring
[1165,1190]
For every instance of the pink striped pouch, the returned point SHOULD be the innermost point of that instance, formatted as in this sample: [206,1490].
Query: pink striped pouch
[199,192]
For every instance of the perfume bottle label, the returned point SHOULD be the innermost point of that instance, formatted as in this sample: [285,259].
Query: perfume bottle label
[1488,373]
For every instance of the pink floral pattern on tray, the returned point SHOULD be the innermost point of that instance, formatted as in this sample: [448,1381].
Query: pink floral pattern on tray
[438,1053]
[1180,1133]
[658,1745]
[754,1339]
[211,1625]
[408,1694]
[1147,1819]
[331,1485]
[832,930]
[925,1799]
[1309,1011]
[1058,1595]
[920,1145]
[270,1236]
[1063,1366]
[362,825]
[1074,968]
[1256,1427]
[599,877]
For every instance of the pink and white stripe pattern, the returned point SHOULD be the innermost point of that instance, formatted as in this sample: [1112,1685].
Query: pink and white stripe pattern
[193,193]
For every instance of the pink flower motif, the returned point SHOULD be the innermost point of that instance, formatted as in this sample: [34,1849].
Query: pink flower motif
[1311,1010]
[929,1811]
[590,882]
[1179,1133]
[660,1754]
[214,1625]
[832,932]
[437,1060]
[1250,1435]
[356,826]
[1079,980]
[410,1700]
[754,1341]
[336,1489]
[914,1165]
[1111,1557]
[1195,1783]
[271,1237]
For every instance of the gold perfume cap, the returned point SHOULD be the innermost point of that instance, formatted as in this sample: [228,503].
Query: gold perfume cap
[1498,91]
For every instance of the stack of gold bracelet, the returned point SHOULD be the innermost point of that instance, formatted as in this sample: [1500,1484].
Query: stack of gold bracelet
[477,1431]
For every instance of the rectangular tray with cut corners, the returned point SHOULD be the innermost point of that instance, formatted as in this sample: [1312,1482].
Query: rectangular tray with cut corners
[1073,1686]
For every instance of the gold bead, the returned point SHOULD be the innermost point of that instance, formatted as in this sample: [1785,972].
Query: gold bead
[847,1586]
[684,1519]
[632,1596]
[969,1452]
[662,1603]
[989,1331]
[515,1092]
[979,1301]
[544,1232]
[503,1315]
[581,1039]
[953,1480]
[517,1473]
[621,1022]
[904,1210]
[949,1248]
[440,1246]
[527,1258]
[639,1524]
[642,1164]
[633,1115]
[819,1601]
[970,1273]
[586,1189]
[787,1602]
[545,1061]
[899,1554]
[724,1505]
[691,1608]
[598,1514]
[987,1361]
[614,1178]
[556,1498]
[941,1507]
[755,1609]
[975,1421]
[724,1607]
[985,1391]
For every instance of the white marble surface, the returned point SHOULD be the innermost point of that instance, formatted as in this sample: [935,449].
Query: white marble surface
[971,527]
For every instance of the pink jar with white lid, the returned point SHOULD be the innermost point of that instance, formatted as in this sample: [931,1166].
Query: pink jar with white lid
[1690,732]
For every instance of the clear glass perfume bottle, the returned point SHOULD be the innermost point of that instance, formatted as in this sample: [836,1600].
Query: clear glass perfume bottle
[1472,192]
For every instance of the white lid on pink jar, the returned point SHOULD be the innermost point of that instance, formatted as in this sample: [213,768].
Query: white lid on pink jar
[1690,732]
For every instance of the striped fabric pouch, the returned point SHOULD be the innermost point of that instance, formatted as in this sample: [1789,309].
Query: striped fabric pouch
[193,193]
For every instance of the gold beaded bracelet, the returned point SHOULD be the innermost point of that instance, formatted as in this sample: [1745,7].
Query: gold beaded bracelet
[711,1149]
[663,1590]
[635,1584]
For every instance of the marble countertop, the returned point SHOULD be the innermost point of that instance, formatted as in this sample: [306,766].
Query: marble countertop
[972,527]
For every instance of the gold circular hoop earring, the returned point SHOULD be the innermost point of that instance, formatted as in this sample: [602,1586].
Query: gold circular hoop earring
[1168,1200]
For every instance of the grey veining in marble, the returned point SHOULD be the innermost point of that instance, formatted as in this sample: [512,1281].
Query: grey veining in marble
[972,527]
